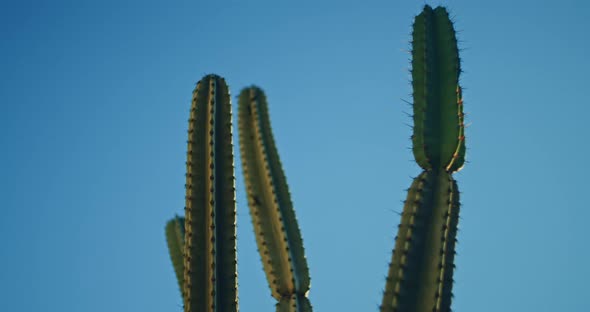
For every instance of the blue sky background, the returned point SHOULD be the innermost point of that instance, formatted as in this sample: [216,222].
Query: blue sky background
[94,102]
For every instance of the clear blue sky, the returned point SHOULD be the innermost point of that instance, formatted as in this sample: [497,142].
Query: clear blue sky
[94,102]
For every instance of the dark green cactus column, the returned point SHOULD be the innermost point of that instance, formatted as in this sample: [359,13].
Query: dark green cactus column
[438,140]
[210,263]
[277,233]
[420,277]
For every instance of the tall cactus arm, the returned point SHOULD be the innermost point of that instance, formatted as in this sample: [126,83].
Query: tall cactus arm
[210,263]
[175,239]
[420,277]
[438,139]
[277,233]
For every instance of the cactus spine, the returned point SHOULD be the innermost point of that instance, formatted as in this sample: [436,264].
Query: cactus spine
[277,233]
[420,277]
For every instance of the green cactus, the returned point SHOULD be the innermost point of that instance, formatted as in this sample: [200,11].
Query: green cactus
[420,274]
[203,244]
[209,282]
[277,234]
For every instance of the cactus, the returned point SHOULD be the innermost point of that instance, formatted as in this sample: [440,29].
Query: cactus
[420,274]
[209,279]
[277,234]
[203,244]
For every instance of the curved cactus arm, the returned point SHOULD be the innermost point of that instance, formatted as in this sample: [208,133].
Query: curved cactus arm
[175,238]
[294,303]
[210,263]
[438,139]
[277,233]
[420,277]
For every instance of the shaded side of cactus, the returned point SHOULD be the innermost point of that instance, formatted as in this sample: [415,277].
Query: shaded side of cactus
[210,262]
[420,277]
[277,233]
[175,238]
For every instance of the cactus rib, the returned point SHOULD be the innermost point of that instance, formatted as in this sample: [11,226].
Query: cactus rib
[277,233]
[210,272]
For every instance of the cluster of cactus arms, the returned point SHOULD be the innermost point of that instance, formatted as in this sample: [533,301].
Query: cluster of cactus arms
[203,244]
